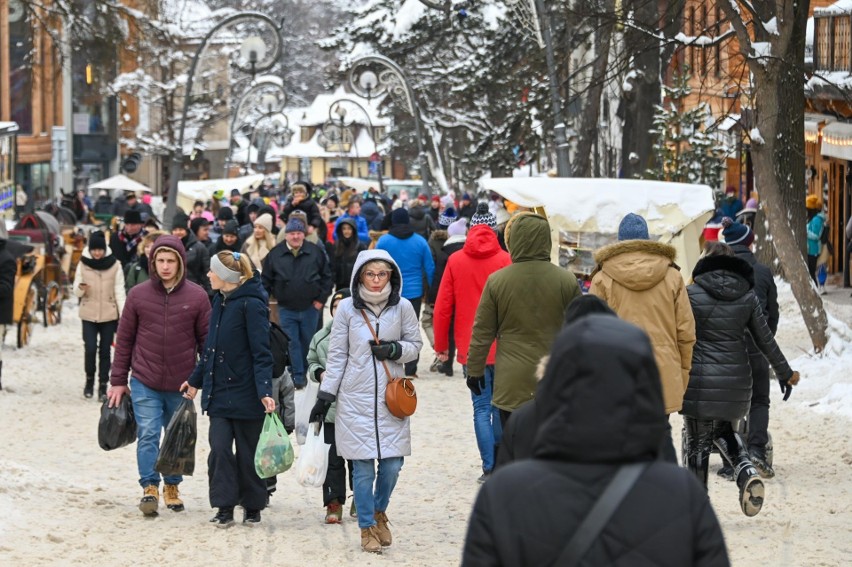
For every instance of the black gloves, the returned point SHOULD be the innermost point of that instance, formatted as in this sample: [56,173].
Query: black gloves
[386,350]
[787,385]
[318,374]
[475,384]
[319,410]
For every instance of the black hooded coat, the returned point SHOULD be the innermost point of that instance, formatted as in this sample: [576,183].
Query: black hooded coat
[725,307]
[600,406]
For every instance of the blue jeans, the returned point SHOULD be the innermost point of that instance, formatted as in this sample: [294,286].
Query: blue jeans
[367,499]
[300,326]
[486,421]
[153,410]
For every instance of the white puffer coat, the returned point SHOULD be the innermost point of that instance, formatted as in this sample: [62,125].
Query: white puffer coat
[364,428]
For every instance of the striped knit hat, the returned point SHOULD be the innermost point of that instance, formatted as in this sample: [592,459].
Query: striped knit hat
[483,216]
[447,218]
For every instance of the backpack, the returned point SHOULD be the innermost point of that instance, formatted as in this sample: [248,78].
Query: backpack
[280,344]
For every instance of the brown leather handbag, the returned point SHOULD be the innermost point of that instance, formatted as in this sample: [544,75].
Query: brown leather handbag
[400,396]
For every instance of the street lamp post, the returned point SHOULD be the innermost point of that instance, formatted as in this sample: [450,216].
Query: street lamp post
[390,78]
[338,108]
[254,57]
[264,97]
[563,160]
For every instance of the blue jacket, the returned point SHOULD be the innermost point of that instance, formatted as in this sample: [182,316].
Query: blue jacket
[361,222]
[235,368]
[814,232]
[412,254]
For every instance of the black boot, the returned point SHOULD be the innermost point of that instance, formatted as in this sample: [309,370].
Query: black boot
[102,389]
[752,491]
[1,375]
[89,389]
[224,518]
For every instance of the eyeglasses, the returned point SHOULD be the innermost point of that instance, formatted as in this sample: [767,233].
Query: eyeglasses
[377,276]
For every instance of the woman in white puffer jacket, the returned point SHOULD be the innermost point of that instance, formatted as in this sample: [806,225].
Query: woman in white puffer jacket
[365,430]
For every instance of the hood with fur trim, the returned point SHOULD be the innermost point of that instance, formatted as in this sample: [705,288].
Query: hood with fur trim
[636,264]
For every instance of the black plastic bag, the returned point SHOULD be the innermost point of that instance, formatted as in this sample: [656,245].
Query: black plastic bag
[117,426]
[177,453]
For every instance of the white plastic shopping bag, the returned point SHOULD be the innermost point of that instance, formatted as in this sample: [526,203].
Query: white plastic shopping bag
[304,400]
[313,458]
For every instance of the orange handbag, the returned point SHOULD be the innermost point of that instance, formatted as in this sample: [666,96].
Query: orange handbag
[400,396]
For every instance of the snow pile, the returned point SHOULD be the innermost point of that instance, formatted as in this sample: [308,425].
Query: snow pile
[826,383]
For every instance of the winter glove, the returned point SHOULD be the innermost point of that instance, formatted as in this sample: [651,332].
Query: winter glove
[319,411]
[390,350]
[475,384]
[318,374]
[787,385]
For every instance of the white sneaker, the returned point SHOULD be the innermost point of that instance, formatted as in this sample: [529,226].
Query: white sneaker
[822,290]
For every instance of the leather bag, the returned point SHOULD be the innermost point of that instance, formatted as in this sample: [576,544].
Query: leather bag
[400,395]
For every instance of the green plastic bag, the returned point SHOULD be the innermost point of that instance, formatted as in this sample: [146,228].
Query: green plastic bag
[274,454]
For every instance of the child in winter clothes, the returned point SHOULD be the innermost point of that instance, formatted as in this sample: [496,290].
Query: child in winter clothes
[334,488]
[99,283]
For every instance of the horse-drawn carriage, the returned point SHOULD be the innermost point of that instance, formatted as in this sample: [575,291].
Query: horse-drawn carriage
[44,266]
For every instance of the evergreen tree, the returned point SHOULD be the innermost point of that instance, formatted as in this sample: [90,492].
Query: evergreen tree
[686,149]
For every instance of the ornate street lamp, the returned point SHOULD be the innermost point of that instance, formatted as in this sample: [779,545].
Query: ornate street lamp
[337,120]
[259,51]
[266,96]
[374,75]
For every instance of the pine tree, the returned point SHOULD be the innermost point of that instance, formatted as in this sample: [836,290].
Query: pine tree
[686,150]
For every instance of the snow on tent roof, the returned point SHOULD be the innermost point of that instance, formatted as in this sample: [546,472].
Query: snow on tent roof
[598,205]
[840,7]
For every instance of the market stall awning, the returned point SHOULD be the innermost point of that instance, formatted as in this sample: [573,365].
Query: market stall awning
[121,183]
[837,140]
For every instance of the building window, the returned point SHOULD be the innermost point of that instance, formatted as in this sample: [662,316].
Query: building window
[20,67]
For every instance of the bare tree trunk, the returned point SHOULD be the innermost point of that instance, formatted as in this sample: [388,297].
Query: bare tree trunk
[588,131]
[639,102]
[778,152]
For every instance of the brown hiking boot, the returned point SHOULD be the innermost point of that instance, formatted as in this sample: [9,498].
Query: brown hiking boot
[382,529]
[150,500]
[370,541]
[171,496]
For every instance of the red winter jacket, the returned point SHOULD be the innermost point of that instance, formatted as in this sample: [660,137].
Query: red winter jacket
[160,333]
[461,287]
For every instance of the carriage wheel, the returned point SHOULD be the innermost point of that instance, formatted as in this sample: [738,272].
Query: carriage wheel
[26,324]
[52,305]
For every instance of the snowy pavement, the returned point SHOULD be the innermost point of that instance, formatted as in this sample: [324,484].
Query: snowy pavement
[64,501]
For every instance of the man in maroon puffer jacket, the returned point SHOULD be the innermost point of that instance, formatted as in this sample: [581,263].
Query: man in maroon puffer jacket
[161,331]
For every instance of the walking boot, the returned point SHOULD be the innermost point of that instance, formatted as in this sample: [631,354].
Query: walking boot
[370,541]
[89,388]
[150,500]
[751,490]
[382,529]
[171,496]
[333,512]
[224,518]
[762,465]
[102,389]
[251,517]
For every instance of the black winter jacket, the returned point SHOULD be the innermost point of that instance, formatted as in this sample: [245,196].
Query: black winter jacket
[421,222]
[307,206]
[764,286]
[297,281]
[527,511]
[235,369]
[725,307]
[343,263]
[197,262]
[518,435]
[8,271]
[442,248]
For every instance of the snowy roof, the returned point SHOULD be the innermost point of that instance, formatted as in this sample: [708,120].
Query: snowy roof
[317,113]
[840,7]
[7,127]
[361,149]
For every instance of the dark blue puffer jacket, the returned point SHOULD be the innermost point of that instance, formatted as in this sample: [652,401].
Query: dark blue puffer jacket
[235,369]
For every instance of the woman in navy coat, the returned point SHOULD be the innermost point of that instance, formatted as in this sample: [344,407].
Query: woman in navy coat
[235,376]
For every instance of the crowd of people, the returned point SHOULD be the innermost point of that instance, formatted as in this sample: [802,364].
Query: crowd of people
[190,311]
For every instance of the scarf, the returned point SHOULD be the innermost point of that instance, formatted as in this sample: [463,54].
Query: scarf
[131,242]
[104,263]
[376,300]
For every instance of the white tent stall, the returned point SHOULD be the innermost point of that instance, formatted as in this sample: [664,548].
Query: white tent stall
[191,191]
[584,213]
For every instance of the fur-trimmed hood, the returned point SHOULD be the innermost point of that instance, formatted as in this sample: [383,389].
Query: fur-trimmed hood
[636,264]
[724,277]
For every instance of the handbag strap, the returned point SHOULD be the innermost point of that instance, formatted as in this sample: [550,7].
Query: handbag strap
[599,515]
[376,338]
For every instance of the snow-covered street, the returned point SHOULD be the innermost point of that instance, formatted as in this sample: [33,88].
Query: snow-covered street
[64,501]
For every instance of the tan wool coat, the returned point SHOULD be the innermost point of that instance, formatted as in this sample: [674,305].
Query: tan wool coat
[103,298]
[640,281]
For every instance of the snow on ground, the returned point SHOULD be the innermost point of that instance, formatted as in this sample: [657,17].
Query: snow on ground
[64,501]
